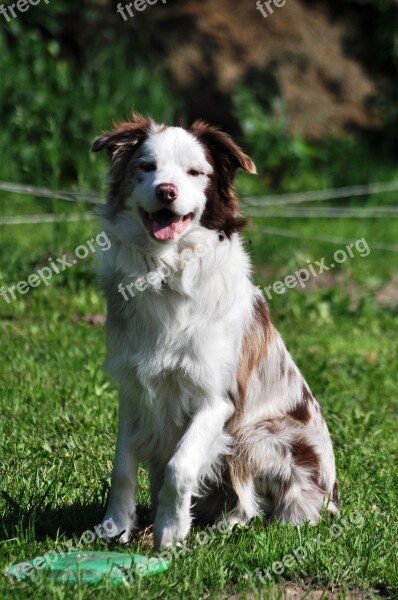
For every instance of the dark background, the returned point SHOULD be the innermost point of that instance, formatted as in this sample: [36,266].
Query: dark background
[311,89]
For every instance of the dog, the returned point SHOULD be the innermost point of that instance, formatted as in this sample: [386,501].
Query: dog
[210,398]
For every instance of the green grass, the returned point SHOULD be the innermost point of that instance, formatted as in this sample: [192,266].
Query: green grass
[59,412]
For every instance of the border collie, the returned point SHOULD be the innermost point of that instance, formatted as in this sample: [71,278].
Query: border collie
[210,398]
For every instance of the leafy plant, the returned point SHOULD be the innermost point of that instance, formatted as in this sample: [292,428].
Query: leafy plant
[51,108]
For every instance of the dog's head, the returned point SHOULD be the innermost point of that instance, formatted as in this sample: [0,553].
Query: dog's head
[166,180]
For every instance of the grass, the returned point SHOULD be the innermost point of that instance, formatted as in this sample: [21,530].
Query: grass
[59,411]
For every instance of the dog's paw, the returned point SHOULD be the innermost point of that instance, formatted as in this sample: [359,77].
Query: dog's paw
[237,518]
[169,529]
[115,530]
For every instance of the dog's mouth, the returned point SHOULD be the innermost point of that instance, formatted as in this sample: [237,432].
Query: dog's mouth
[164,224]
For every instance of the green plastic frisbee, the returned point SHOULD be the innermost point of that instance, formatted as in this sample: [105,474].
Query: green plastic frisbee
[89,567]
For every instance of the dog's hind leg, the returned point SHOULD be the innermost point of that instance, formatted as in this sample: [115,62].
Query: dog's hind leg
[279,464]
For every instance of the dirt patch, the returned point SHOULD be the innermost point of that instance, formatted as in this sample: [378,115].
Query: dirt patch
[388,294]
[94,320]
[296,592]
[385,294]
[211,45]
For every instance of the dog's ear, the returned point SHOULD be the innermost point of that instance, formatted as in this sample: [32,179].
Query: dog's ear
[124,136]
[223,149]
[222,207]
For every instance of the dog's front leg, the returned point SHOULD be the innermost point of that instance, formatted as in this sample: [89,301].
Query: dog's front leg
[121,506]
[193,452]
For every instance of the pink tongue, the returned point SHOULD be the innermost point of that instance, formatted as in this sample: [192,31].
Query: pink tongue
[163,231]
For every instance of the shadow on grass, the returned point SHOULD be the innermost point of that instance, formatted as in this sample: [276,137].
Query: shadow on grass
[72,521]
[49,522]
[42,523]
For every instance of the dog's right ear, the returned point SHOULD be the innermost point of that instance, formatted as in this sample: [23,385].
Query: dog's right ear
[124,136]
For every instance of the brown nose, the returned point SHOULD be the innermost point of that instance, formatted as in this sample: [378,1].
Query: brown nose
[167,193]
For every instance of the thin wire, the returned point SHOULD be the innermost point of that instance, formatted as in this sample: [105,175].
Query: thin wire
[361,213]
[271,200]
[331,209]
[34,219]
[321,238]
[29,219]
[328,194]
[90,198]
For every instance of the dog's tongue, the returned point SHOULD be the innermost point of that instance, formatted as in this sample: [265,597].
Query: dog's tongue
[166,225]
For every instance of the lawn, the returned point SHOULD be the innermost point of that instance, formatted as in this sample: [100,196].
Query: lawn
[59,414]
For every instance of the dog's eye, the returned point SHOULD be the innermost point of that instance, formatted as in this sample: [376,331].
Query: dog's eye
[194,173]
[148,167]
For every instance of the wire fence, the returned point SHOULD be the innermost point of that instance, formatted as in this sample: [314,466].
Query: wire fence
[331,212]
[42,192]
[322,195]
[34,219]
[263,201]
[280,206]
[321,238]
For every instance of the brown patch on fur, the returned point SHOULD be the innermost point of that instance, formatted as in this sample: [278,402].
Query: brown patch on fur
[307,396]
[335,494]
[121,143]
[301,413]
[254,348]
[304,456]
[222,211]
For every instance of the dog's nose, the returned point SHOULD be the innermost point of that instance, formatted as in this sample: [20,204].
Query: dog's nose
[167,193]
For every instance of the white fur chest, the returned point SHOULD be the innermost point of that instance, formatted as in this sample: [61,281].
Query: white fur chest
[182,341]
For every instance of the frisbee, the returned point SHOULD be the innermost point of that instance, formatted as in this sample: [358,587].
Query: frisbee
[90,567]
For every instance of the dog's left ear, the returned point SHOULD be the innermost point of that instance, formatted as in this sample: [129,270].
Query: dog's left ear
[124,136]
[222,207]
[223,149]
